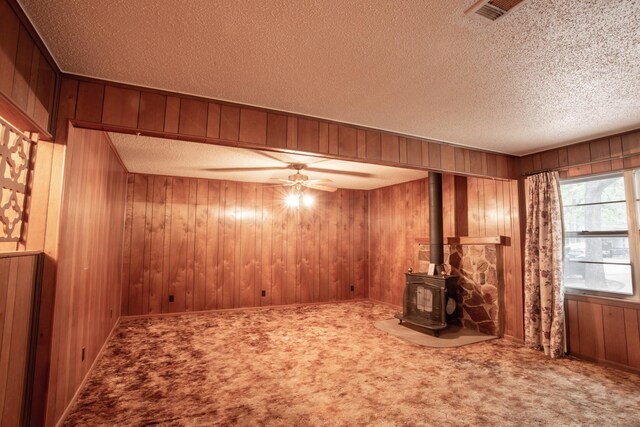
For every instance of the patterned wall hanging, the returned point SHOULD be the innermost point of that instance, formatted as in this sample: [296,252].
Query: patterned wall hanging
[16,150]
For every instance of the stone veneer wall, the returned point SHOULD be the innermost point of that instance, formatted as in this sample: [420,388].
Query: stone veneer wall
[479,284]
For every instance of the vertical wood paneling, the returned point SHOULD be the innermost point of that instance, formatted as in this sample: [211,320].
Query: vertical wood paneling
[91,261]
[193,117]
[402,150]
[138,237]
[573,327]
[200,245]
[277,255]
[218,244]
[276,130]
[9,31]
[152,111]
[305,255]
[603,330]
[253,126]
[292,133]
[266,235]
[374,148]
[323,137]
[591,332]
[632,328]
[89,104]
[247,231]
[179,242]
[333,138]
[229,123]
[392,244]
[23,69]
[414,151]
[126,249]
[213,120]
[172,114]
[26,76]
[290,255]
[615,343]
[120,107]
[156,251]
[16,297]
[45,89]
[191,238]
[228,245]
[447,157]
[308,135]
[362,144]
[347,141]
[435,155]
[389,150]
[471,206]
[214,218]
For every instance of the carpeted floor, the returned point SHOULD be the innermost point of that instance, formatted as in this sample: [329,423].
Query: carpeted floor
[327,365]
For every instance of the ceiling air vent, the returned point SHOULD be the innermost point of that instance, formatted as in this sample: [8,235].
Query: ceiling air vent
[493,9]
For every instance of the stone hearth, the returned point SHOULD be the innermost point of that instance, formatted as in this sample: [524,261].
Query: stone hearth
[479,285]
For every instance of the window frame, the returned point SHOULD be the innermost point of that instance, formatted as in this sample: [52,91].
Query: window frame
[632,233]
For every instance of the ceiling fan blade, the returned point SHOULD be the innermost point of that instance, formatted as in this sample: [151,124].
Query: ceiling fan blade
[283,180]
[339,172]
[250,169]
[319,181]
[320,187]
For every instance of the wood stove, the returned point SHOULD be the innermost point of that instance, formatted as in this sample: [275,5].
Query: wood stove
[429,301]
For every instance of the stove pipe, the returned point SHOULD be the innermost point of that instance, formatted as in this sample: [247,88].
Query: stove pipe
[436,247]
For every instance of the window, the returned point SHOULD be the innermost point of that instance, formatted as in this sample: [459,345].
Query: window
[599,249]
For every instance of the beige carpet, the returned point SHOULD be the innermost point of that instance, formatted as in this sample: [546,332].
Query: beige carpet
[452,336]
[327,365]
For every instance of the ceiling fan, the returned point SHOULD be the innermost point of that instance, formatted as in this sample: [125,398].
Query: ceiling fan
[298,180]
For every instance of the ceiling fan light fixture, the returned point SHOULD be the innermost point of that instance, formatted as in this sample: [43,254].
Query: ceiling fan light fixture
[293,200]
[307,200]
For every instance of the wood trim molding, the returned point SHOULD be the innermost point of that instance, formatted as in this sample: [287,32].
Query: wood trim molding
[594,299]
[478,240]
[469,240]
[109,106]
[14,115]
[19,253]
[609,153]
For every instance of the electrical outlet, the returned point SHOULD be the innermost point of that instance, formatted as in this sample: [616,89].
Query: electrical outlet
[84,350]
[264,293]
[170,298]
[353,288]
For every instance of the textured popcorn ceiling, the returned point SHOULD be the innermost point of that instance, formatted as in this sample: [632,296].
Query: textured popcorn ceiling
[549,73]
[181,158]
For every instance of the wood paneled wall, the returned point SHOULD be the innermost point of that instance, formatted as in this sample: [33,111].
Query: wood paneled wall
[480,207]
[18,287]
[110,106]
[27,76]
[219,244]
[616,152]
[604,330]
[88,282]
[398,214]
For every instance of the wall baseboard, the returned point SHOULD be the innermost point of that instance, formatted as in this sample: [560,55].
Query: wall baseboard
[606,363]
[223,310]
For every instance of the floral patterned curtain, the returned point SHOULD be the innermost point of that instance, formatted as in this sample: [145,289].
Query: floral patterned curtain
[543,290]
